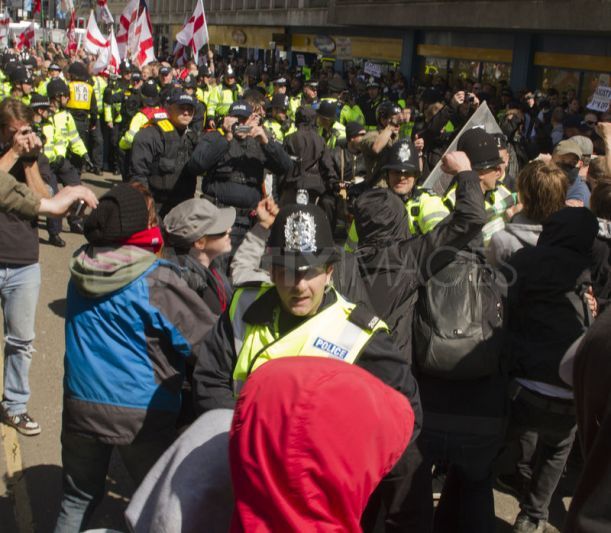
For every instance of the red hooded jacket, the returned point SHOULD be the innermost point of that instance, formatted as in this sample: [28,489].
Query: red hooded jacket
[311,439]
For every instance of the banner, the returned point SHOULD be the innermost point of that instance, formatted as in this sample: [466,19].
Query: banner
[373,69]
[438,180]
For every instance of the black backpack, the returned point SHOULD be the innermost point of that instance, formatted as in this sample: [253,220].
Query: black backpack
[458,321]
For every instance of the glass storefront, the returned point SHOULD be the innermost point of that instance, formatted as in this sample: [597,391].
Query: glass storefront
[457,70]
[584,83]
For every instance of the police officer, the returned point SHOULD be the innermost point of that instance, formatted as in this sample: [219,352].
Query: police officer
[189,85]
[279,86]
[41,107]
[279,124]
[228,93]
[234,162]
[310,93]
[329,128]
[424,209]
[149,111]
[161,151]
[482,149]
[370,103]
[205,92]
[62,141]
[21,84]
[114,94]
[299,314]
[351,111]
[83,106]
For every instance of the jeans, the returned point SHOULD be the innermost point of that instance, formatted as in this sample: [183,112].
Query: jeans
[556,433]
[19,288]
[85,465]
[467,502]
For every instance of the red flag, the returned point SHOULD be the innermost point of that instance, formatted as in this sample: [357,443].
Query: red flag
[37,7]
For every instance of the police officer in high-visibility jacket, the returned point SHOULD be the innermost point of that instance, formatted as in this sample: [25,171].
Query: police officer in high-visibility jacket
[21,85]
[82,104]
[424,209]
[228,93]
[300,313]
[54,71]
[329,128]
[162,149]
[483,152]
[279,124]
[62,141]
[205,91]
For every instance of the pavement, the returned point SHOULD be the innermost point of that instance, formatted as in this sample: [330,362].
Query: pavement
[30,467]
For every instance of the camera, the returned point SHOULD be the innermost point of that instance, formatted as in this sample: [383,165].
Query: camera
[241,129]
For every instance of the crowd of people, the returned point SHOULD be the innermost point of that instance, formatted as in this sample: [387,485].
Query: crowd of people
[279,326]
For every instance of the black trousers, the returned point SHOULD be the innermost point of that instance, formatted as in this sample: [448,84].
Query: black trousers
[403,501]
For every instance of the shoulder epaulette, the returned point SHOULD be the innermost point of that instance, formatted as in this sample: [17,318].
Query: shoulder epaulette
[363,317]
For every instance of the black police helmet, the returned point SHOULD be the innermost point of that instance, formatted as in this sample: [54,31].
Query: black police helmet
[481,148]
[57,87]
[403,156]
[78,71]
[387,109]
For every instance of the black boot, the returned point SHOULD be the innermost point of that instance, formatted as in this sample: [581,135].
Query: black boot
[56,240]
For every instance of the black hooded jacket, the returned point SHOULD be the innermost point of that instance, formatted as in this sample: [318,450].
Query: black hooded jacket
[546,308]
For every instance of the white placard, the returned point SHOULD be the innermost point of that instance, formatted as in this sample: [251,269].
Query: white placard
[301,60]
[373,69]
[600,100]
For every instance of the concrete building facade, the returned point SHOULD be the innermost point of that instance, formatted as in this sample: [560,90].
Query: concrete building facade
[528,43]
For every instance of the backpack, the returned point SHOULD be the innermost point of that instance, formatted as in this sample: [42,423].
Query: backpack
[458,320]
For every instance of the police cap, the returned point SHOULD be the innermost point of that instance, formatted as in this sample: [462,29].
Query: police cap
[301,238]
[240,109]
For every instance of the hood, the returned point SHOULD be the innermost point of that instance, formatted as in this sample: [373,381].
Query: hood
[524,230]
[305,116]
[604,229]
[380,218]
[572,228]
[97,271]
[294,462]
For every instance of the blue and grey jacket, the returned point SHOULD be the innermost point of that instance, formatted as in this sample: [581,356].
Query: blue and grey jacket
[131,322]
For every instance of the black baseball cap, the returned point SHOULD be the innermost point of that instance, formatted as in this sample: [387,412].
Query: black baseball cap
[240,109]
[164,71]
[179,97]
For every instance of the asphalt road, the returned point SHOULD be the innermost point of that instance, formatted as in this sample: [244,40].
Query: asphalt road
[30,467]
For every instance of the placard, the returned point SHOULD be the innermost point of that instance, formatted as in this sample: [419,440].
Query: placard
[373,69]
[343,48]
[600,100]
[301,60]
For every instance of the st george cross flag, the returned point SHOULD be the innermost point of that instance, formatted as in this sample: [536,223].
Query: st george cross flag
[109,58]
[94,40]
[104,12]
[127,21]
[27,38]
[144,52]
[194,33]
